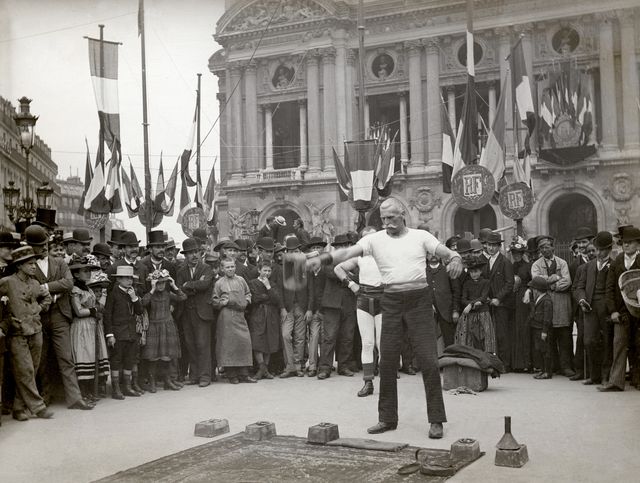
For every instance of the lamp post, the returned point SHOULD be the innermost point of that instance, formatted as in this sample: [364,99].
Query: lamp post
[254,215]
[26,123]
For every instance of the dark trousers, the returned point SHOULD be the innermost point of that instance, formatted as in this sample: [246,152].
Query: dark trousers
[561,346]
[197,334]
[25,357]
[504,333]
[123,355]
[56,336]
[578,358]
[409,311]
[595,327]
[338,327]
[448,329]
[542,347]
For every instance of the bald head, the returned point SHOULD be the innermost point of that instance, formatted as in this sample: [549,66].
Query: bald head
[392,205]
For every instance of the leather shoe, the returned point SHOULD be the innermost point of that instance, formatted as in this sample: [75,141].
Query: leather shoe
[247,379]
[588,382]
[610,388]
[345,372]
[382,427]
[191,383]
[323,375]
[576,377]
[45,414]
[409,370]
[268,375]
[20,416]
[366,390]
[203,383]
[568,373]
[80,404]
[435,431]
[544,375]
[234,380]
[300,373]
[312,373]
[287,374]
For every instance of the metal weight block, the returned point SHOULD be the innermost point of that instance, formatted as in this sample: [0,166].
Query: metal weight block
[260,430]
[466,449]
[512,458]
[322,433]
[211,428]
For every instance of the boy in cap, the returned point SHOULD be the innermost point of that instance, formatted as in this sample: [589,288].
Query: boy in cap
[23,328]
[541,322]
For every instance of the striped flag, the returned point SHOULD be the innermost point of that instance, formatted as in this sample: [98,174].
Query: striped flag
[342,176]
[448,143]
[88,175]
[385,160]
[94,199]
[185,176]
[209,194]
[112,183]
[493,155]
[361,156]
[170,192]
[158,196]
[104,76]
[523,96]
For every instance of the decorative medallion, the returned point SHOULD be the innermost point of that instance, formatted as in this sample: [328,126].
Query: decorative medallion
[516,200]
[478,52]
[283,77]
[424,200]
[193,218]
[382,66]
[472,187]
[565,40]
[567,131]
[622,187]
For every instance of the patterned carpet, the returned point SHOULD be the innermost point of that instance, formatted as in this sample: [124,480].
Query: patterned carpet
[281,459]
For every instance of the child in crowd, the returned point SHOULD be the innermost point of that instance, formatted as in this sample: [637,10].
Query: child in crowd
[99,283]
[162,345]
[86,333]
[231,295]
[120,325]
[541,322]
[475,327]
[264,319]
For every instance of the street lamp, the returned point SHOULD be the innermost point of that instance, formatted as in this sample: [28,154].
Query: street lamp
[11,196]
[254,216]
[44,194]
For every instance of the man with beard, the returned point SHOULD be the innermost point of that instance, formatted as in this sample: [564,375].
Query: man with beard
[156,259]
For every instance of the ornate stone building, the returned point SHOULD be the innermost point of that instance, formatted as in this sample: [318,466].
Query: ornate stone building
[288,78]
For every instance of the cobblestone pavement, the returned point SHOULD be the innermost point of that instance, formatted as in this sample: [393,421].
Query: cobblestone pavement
[570,430]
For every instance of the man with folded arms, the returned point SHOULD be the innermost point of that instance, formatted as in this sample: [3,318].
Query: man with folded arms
[401,255]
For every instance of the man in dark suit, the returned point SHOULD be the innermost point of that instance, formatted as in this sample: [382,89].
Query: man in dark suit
[446,298]
[55,278]
[622,320]
[589,291]
[195,278]
[156,259]
[499,272]
[338,320]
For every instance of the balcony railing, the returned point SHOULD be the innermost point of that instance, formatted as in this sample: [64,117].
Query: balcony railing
[279,174]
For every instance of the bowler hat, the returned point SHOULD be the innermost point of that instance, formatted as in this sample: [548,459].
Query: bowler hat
[156,238]
[280,220]
[101,249]
[115,236]
[79,235]
[7,240]
[316,241]
[602,240]
[476,262]
[266,243]
[532,244]
[483,234]
[539,283]
[583,233]
[35,236]
[341,239]
[243,244]
[463,246]
[629,233]
[199,234]
[220,244]
[22,254]
[170,243]
[226,244]
[124,271]
[544,239]
[190,245]
[494,238]
[292,243]
[475,244]
[46,217]
[128,238]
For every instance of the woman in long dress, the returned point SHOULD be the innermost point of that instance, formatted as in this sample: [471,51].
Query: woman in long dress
[521,355]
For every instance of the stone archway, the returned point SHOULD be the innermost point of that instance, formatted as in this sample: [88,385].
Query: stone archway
[472,221]
[569,212]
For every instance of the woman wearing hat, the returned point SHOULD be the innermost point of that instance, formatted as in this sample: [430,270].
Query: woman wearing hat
[521,349]
[87,334]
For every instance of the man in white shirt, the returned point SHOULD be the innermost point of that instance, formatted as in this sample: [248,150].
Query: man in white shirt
[401,255]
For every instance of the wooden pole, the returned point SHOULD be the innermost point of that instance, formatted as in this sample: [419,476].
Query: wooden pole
[101,133]
[145,126]
[362,129]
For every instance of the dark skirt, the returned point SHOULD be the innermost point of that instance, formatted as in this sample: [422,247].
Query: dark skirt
[476,330]
[264,326]
[162,341]
[521,348]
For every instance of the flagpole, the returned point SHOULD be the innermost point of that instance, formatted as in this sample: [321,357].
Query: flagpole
[101,132]
[145,124]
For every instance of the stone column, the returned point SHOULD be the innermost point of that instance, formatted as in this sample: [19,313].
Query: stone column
[329,104]
[451,107]
[414,48]
[367,121]
[630,86]
[340,92]
[492,104]
[350,104]
[236,119]
[504,34]
[608,84]
[404,148]
[594,113]
[268,136]
[304,165]
[251,118]
[224,139]
[434,124]
[313,108]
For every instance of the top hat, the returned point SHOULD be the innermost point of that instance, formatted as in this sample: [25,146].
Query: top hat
[35,235]
[7,240]
[156,238]
[190,245]
[199,234]
[101,249]
[22,254]
[292,243]
[316,241]
[46,217]
[280,220]
[451,241]
[463,246]
[476,263]
[494,238]
[475,244]
[539,283]
[629,233]
[243,244]
[79,235]
[341,239]
[266,243]
[115,236]
[483,234]
[532,244]
[602,240]
[583,233]
[544,239]
[128,238]
[124,271]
